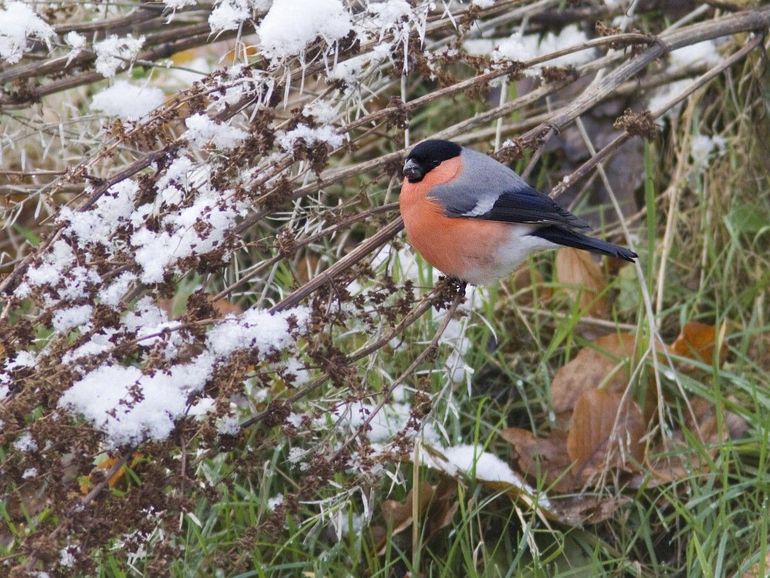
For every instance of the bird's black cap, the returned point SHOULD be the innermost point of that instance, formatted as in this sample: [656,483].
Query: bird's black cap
[427,156]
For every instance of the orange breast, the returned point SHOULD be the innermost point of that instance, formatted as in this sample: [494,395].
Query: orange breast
[463,248]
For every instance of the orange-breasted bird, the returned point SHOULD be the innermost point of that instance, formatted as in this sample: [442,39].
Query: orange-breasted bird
[475,219]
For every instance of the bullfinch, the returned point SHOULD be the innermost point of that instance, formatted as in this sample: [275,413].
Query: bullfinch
[475,219]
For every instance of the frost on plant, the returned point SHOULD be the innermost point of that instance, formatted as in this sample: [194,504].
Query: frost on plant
[20,27]
[127,101]
[116,52]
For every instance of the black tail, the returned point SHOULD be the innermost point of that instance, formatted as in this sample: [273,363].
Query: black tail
[568,238]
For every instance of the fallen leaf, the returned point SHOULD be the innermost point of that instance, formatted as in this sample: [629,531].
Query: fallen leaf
[543,458]
[224,307]
[400,515]
[435,506]
[528,284]
[703,421]
[105,464]
[586,509]
[607,363]
[677,459]
[184,57]
[606,432]
[585,280]
[698,341]
[758,348]
[442,508]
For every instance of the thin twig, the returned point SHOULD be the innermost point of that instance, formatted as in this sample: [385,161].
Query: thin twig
[424,354]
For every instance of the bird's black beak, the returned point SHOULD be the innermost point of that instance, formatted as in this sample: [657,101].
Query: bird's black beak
[413,171]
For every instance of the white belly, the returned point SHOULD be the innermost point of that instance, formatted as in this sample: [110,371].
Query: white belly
[510,255]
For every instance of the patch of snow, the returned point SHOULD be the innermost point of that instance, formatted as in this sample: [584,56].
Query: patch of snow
[201,130]
[386,15]
[113,209]
[255,329]
[229,14]
[22,359]
[525,47]
[77,281]
[310,136]
[176,176]
[67,556]
[661,95]
[19,27]
[25,443]
[298,370]
[201,408]
[296,455]
[702,53]
[390,420]
[282,33]
[112,294]
[228,425]
[129,405]
[114,52]
[127,101]
[98,343]
[468,459]
[177,4]
[275,501]
[192,230]
[351,69]
[703,148]
[344,523]
[56,261]
[76,42]
[321,110]
[66,319]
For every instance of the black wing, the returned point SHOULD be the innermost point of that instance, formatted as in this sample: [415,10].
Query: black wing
[526,205]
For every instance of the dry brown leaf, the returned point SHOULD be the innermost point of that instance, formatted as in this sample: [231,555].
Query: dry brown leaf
[758,348]
[586,509]
[698,341]
[436,506]
[400,515]
[545,458]
[591,367]
[706,425]
[586,279]
[527,283]
[104,465]
[224,307]
[379,538]
[677,460]
[442,508]
[606,433]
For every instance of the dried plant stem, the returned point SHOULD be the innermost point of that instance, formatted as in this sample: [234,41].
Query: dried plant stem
[416,313]
[611,148]
[327,277]
[299,243]
[385,394]
[751,20]
[83,502]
